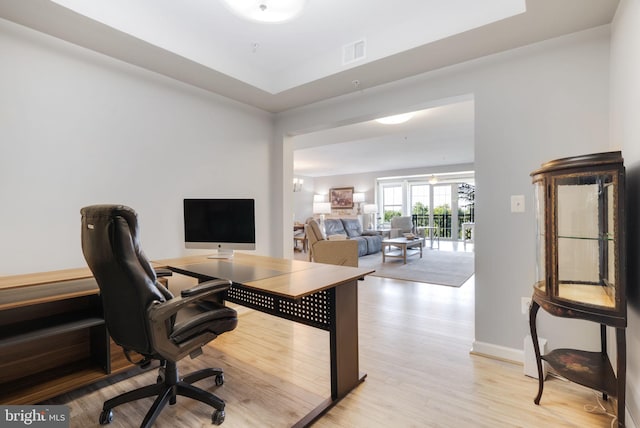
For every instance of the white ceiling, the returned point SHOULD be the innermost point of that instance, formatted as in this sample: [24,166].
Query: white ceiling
[277,57]
[296,63]
[440,135]
[276,67]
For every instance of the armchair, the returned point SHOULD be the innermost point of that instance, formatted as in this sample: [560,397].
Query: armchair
[339,252]
[400,226]
[144,317]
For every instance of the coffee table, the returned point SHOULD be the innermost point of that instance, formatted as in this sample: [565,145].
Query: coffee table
[403,244]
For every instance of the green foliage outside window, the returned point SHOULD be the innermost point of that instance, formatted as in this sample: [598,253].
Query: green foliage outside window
[420,209]
[442,209]
[388,215]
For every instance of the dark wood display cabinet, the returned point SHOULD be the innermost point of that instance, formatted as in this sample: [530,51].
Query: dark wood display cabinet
[580,273]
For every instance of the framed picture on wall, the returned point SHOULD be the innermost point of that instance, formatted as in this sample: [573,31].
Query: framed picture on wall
[341,197]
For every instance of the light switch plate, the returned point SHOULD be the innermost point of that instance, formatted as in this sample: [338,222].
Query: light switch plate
[517,203]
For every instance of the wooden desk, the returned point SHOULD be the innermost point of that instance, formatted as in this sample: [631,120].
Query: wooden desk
[315,294]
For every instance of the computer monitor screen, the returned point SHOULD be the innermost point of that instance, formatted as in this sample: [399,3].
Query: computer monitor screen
[222,224]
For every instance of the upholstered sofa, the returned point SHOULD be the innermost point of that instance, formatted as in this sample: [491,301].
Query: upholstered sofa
[351,228]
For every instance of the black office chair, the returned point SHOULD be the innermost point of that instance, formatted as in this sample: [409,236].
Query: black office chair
[144,317]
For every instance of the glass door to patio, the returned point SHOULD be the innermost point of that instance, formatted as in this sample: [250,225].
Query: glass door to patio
[445,206]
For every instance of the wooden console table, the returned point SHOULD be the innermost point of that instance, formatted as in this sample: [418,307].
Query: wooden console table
[53,338]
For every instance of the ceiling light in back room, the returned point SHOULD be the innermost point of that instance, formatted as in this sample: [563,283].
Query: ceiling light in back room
[396,119]
[266,10]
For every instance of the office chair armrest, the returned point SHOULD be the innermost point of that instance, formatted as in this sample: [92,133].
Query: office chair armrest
[161,272]
[215,284]
[162,311]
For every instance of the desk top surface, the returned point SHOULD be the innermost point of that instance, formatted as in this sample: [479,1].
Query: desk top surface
[287,278]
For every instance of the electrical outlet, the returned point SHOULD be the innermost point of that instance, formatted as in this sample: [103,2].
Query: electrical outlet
[525,303]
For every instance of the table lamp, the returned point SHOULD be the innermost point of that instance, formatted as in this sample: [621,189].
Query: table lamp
[371,209]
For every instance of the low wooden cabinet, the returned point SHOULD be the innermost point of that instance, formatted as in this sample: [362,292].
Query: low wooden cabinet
[53,337]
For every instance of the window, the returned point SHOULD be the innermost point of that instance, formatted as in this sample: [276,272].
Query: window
[420,203]
[466,201]
[391,201]
[442,209]
[443,205]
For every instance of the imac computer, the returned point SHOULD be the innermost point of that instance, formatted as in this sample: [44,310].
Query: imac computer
[221,224]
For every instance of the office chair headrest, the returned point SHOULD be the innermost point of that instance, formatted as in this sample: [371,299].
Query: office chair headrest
[101,213]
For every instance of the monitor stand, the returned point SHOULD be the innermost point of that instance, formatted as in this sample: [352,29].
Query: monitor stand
[221,254]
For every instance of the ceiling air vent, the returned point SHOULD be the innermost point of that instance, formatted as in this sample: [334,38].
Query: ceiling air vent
[354,51]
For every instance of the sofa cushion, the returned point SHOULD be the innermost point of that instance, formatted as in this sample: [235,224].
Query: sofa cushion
[374,243]
[363,246]
[352,226]
[404,223]
[333,226]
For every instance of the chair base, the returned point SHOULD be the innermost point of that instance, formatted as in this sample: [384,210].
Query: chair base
[169,386]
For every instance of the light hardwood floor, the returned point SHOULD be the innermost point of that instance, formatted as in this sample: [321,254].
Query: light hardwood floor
[415,340]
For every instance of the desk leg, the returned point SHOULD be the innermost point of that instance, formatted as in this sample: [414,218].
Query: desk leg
[344,341]
[343,338]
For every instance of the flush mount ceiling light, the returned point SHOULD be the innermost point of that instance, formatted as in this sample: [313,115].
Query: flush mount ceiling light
[266,10]
[395,120]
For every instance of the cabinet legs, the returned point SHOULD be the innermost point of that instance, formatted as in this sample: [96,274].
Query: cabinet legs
[533,312]
[604,385]
[621,344]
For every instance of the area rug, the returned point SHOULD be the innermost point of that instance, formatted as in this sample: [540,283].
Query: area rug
[450,268]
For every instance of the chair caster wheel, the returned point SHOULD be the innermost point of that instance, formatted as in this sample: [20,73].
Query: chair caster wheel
[217,417]
[106,417]
[219,379]
[161,375]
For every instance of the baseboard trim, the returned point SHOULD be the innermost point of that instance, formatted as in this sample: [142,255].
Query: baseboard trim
[498,352]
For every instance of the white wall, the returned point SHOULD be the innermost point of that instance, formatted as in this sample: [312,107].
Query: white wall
[533,104]
[366,182]
[79,128]
[303,200]
[625,135]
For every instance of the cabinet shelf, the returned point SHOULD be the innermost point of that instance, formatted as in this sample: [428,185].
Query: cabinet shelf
[587,238]
[593,295]
[38,387]
[590,369]
[46,327]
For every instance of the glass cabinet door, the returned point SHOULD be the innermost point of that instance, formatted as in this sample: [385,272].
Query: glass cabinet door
[541,261]
[585,246]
